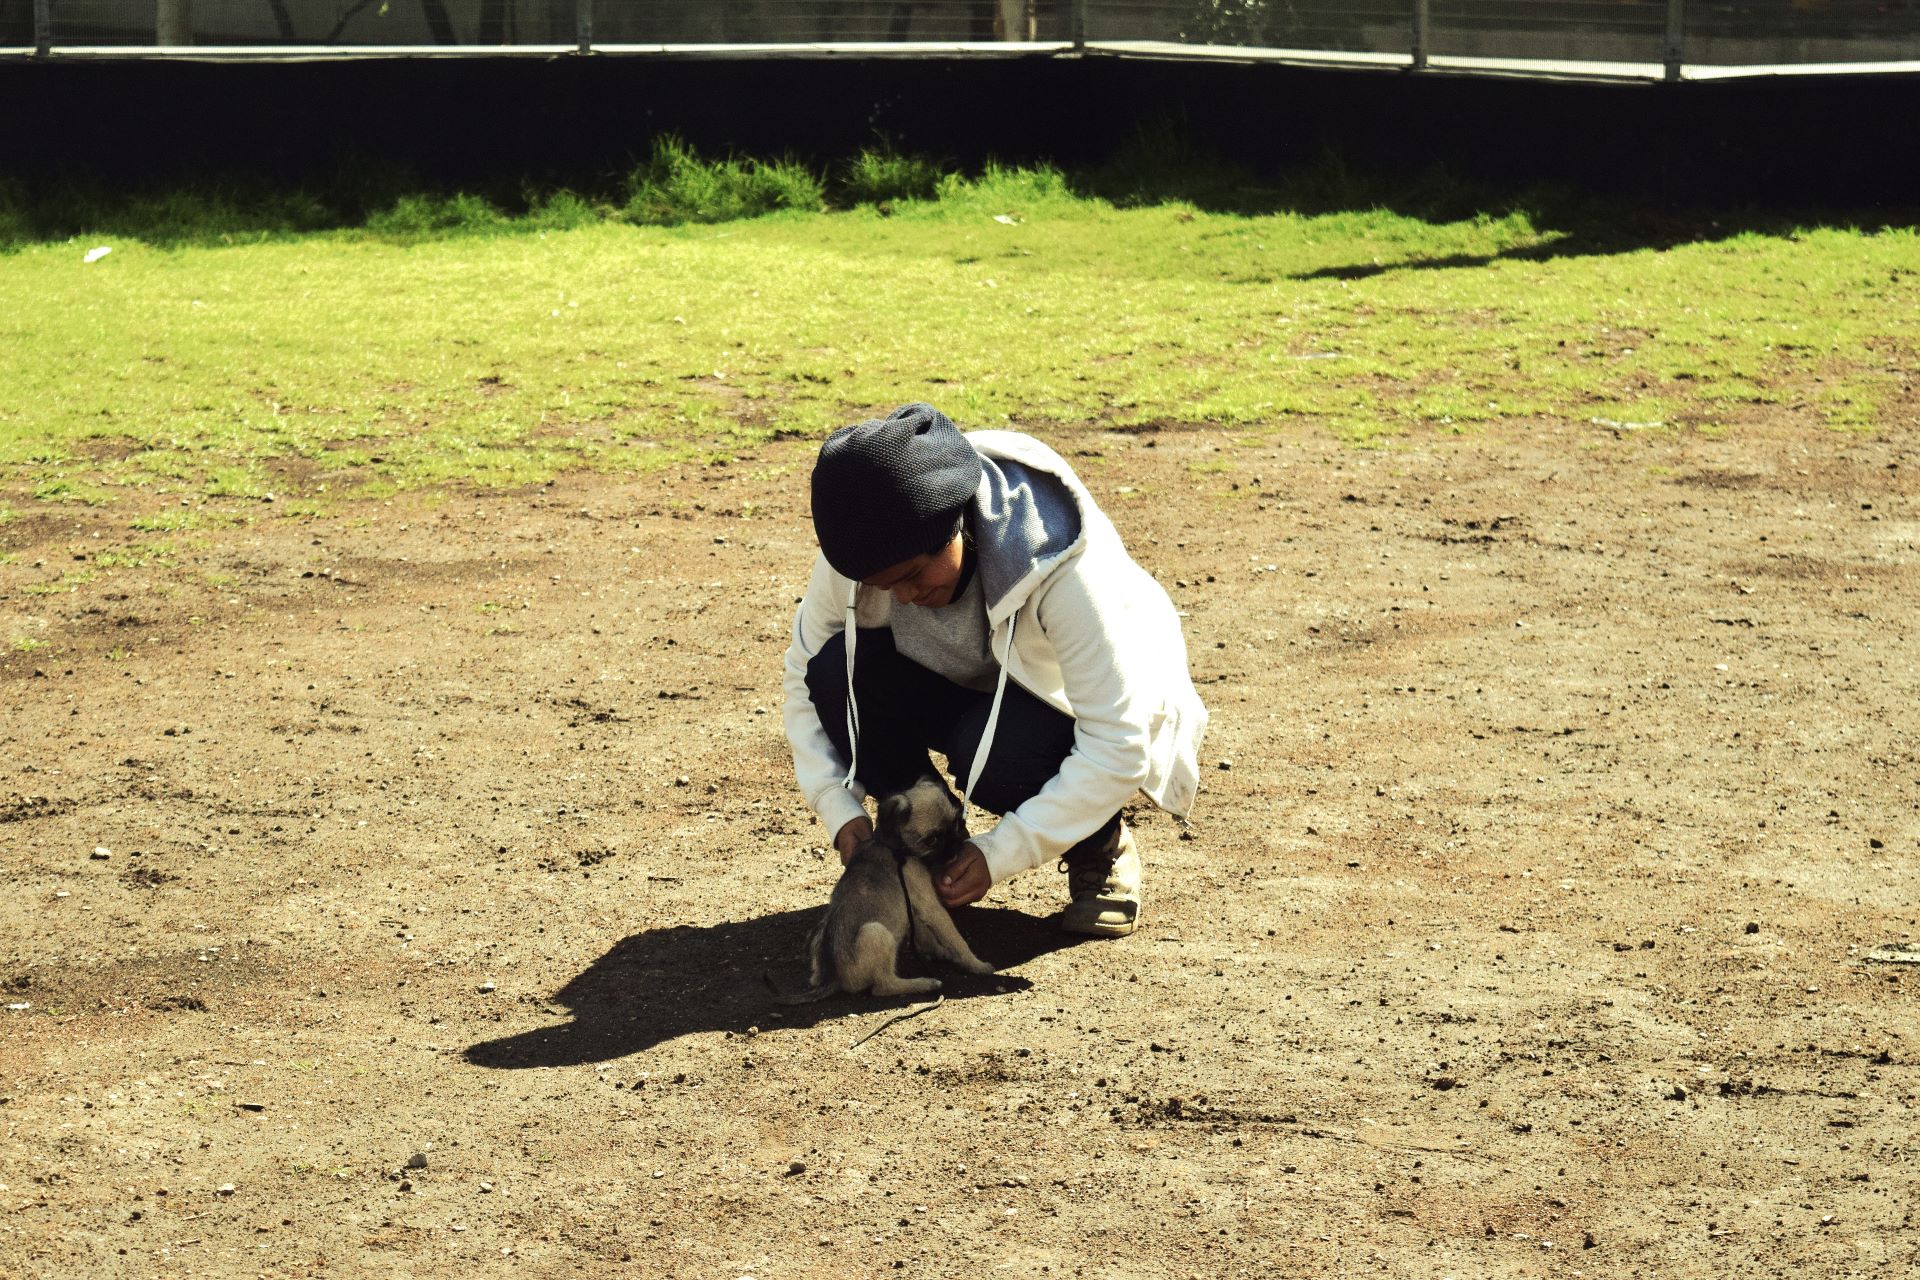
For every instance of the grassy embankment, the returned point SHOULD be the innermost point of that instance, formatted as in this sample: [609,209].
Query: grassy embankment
[223,352]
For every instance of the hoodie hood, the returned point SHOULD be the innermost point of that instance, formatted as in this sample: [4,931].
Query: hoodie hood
[1027,517]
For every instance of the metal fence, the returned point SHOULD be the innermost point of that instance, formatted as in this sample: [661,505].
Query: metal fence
[1630,38]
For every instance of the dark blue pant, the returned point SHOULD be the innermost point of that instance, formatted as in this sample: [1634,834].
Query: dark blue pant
[907,710]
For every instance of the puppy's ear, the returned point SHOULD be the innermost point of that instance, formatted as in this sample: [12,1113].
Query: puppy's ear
[894,810]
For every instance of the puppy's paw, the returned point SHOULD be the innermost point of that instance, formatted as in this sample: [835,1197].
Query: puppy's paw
[977,966]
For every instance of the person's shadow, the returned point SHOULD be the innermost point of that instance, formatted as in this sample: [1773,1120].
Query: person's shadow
[663,983]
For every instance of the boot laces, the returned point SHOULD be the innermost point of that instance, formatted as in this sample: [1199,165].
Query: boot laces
[1088,873]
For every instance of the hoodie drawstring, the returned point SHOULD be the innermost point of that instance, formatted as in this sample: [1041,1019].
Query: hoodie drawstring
[993,720]
[853,710]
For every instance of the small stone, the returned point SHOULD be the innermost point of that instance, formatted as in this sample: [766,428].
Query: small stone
[416,1161]
[487,987]
[486,1187]
[226,1189]
[796,1167]
[1226,764]
[681,781]
[1752,927]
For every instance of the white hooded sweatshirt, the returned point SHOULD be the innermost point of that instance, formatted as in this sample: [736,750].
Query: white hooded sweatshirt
[1074,621]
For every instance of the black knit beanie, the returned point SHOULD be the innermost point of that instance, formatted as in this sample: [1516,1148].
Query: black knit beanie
[889,489]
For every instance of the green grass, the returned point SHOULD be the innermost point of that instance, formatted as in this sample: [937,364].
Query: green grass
[880,176]
[137,556]
[452,339]
[678,186]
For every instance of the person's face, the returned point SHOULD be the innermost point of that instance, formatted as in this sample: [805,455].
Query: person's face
[926,580]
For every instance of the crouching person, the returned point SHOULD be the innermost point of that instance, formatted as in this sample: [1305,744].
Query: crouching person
[971,598]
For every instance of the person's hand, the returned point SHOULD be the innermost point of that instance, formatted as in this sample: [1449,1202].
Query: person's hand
[965,879]
[849,838]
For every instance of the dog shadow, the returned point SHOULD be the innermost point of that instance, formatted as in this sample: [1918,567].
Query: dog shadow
[661,984]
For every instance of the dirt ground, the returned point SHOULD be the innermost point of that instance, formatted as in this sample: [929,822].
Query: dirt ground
[390,894]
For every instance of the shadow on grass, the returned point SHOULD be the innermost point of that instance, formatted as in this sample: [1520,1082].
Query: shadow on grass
[1563,245]
[384,201]
[1163,164]
[665,983]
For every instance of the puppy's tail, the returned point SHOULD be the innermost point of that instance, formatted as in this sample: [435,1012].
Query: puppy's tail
[819,991]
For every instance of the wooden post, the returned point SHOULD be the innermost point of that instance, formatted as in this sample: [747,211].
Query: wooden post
[1422,33]
[1013,20]
[583,25]
[1077,22]
[42,27]
[1675,54]
[173,22]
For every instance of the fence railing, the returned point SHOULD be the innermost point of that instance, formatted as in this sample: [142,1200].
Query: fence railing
[1633,37]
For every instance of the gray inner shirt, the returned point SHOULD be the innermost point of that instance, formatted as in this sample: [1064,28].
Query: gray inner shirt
[952,640]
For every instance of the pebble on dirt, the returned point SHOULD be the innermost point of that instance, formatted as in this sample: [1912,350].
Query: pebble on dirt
[417,1160]
[101,853]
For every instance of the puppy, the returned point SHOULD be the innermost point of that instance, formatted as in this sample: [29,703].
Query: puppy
[885,899]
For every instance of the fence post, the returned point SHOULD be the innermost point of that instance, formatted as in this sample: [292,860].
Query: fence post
[42,27]
[1676,48]
[1077,25]
[1422,34]
[583,25]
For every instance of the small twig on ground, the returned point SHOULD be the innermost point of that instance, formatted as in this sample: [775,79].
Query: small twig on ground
[902,1016]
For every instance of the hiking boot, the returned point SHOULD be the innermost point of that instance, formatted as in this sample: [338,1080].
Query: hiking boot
[1105,886]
